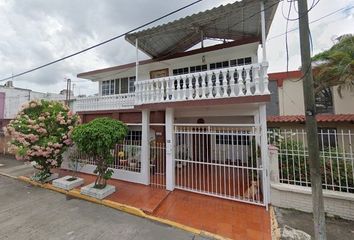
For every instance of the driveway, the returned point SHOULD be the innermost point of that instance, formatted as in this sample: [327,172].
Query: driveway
[28,212]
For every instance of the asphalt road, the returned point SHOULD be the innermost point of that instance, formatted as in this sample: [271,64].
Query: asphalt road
[28,212]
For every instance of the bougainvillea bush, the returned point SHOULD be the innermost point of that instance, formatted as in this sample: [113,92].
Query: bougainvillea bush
[40,133]
[96,139]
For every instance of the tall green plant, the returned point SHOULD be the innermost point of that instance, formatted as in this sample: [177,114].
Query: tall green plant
[96,139]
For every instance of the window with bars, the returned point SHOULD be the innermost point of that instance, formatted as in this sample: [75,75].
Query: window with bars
[180,71]
[133,136]
[324,101]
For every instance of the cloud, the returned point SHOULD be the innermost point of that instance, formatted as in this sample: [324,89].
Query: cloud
[38,31]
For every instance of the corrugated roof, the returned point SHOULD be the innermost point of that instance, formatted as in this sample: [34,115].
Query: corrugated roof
[232,21]
[349,118]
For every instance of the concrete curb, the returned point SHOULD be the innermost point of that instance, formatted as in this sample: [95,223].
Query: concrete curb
[121,207]
[275,231]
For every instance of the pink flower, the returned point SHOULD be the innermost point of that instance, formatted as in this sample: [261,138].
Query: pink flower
[68,141]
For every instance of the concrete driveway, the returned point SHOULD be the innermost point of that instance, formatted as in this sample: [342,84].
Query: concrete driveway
[28,212]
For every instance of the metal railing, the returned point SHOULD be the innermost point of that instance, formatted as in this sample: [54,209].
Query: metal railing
[247,80]
[336,156]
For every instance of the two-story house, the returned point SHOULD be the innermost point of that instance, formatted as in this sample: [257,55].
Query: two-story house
[206,107]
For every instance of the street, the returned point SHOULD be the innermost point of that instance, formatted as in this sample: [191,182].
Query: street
[28,212]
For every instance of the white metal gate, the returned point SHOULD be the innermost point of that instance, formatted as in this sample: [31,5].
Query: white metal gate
[220,160]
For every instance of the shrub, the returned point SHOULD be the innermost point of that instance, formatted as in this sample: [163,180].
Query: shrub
[40,133]
[96,139]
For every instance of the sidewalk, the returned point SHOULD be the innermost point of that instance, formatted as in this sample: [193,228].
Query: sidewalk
[230,219]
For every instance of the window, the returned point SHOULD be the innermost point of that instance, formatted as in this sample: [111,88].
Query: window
[133,136]
[327,137]
[107,87]
[219,65]
[324,101]
[131,84]
[233,139]
[240,61]
[180,71]
[199,68]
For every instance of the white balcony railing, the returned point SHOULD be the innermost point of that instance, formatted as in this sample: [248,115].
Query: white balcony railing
[248,80]
[240,81]
[110,102]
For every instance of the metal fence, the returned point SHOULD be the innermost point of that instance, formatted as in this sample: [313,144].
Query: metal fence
[126,156]
[336,156]
[219,160]
[157,164]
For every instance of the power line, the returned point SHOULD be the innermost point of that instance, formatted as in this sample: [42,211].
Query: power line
[316,20]
[101,43]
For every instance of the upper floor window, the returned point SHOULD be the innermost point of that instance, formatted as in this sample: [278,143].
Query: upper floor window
[180,71]
[324,101]
[107,87]
[240,61]
[118,86]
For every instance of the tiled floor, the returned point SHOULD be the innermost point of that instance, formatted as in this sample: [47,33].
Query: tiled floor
[136,195]
[231,219]
[227,218]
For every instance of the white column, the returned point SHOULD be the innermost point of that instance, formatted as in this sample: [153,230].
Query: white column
[145,147]
[264,152]
[273,164]
[264,53]
[137,60]
[170,159]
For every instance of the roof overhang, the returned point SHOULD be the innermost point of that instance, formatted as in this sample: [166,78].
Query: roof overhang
[235,21]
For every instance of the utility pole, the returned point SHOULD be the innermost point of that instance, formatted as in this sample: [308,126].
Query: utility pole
[68,90]
[311,124]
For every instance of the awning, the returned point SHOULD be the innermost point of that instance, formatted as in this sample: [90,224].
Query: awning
[234,21]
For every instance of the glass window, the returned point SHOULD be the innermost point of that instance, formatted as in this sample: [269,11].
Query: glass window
[107,87]
[324,101]
[124,85]
[131,84]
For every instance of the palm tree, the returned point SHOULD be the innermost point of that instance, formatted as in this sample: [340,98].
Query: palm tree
[335,67]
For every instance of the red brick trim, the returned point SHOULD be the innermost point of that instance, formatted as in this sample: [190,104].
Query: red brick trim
[206,102]
[281,76]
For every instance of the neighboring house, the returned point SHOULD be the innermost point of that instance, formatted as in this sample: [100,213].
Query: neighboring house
[196,115]
[290,173]
[286,109]
[11,100]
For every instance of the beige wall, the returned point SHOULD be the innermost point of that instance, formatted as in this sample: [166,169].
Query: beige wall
[344,105]
[291,99]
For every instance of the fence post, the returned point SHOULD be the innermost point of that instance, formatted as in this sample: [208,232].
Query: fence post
[273,164]
[170,166]
[145,146]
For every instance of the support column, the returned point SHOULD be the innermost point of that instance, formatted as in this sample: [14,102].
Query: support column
[145,147]
[170,161]
[264,153]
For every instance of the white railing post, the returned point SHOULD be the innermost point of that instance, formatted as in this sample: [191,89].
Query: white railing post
[224,83]
[248,80]
[145,147]
[170,155]
[256,79]
[217,84]
[265,78]
[240,82]
[232,83]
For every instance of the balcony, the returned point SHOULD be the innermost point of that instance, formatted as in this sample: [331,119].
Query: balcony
[110,102]
[233,82]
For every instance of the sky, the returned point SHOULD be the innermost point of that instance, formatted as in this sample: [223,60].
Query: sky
[34,32]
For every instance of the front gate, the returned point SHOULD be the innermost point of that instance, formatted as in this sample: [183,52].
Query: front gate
[220,160]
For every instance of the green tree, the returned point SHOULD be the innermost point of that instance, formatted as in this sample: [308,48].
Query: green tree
[96,139]
[336,66]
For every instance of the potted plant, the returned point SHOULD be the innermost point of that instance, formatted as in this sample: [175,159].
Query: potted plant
[40,133]
[75,163]
[96,139]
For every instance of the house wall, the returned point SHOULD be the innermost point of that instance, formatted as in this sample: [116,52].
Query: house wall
[16,97]
[291,99]
[344,105]
[247,50]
